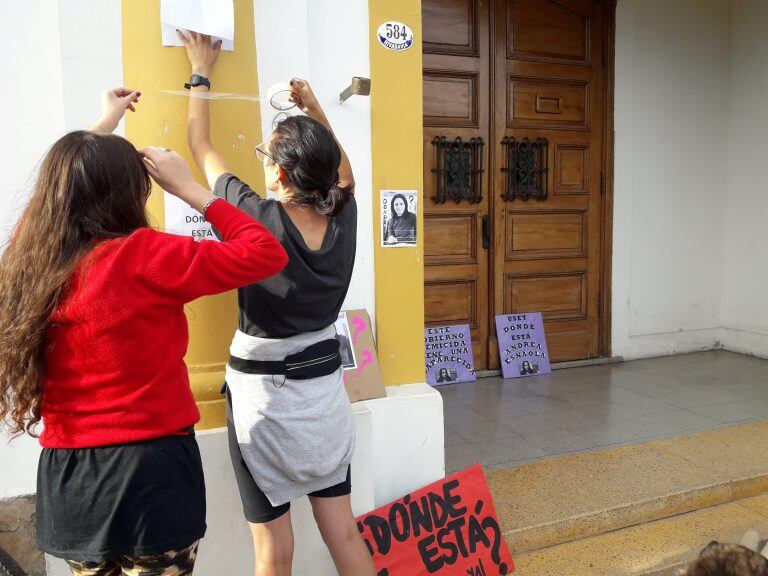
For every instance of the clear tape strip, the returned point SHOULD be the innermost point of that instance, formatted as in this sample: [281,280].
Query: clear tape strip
[216,95]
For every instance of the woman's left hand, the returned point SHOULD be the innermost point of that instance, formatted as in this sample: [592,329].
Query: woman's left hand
[114,103]
[304,98]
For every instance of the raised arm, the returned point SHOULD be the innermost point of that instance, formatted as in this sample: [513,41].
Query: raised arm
[114,103]
[202,56]
[306,101]
[183,269]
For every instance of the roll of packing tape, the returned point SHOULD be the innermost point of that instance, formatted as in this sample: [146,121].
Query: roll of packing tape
[279,96]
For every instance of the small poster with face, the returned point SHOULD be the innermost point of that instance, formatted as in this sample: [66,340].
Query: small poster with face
[522,345]
[448,355]
[348,361]
[398,218]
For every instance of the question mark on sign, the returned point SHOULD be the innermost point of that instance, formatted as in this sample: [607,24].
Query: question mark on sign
[367,359]
[359,327]
[490,522]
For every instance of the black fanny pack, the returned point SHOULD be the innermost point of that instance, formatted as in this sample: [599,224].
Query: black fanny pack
[315,361]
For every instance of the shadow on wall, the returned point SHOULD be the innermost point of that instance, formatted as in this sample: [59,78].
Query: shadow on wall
[17,536]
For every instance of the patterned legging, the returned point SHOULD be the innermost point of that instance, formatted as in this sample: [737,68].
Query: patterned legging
[173,563]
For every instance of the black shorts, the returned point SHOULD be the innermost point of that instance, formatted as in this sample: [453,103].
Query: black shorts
[256,506]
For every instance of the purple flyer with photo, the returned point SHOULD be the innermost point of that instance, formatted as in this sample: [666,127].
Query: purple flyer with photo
[522,345]
[448,355]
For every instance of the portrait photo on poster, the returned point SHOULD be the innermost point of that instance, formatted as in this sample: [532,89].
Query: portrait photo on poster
[398,218]
[343,335]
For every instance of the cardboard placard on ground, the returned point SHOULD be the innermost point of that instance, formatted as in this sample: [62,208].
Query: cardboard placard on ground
[447,528]
[448,354]
[362,374]
[522,345]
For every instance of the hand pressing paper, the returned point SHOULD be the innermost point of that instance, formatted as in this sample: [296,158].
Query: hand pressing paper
[213,17]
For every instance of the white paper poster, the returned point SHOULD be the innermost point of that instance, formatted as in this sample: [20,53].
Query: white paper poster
[181,218]
[398,218]
[215,18]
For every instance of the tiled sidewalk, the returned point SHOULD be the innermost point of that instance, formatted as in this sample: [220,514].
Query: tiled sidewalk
[502,423]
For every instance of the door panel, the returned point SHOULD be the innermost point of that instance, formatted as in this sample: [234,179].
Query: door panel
[546,234]
[456,105]
[546,103]
[452,26]
[547,30]
[548,74]
[451,238]
[450,99]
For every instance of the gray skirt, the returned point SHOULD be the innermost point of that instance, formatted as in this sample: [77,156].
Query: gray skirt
[296,436]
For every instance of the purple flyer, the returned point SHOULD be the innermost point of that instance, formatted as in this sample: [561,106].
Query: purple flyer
[522,345]
[448,355]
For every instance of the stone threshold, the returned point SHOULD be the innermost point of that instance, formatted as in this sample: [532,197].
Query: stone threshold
[658,548]
[552,502]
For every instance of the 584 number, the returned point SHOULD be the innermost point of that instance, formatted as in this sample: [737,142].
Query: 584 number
[397,32]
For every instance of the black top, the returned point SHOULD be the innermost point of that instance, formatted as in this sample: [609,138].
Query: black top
[308,294]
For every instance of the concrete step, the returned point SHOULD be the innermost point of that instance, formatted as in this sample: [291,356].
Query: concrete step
[658,548]
[557,501]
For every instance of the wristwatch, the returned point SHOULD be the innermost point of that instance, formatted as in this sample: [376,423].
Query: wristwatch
[197,80]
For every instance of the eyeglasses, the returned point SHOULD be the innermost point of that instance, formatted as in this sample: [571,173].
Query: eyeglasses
[261,152]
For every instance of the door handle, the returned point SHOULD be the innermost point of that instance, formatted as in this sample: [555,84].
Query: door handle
[486,232]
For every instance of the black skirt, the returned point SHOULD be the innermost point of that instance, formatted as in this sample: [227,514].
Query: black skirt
[137,499]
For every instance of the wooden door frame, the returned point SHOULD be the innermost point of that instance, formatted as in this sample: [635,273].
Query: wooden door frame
[607,190]
[606,212]
[606,264]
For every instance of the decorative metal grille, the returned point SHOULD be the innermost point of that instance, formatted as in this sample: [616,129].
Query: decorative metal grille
[527,166]
[459,169]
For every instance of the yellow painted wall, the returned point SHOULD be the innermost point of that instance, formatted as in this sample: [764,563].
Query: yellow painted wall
[162,121]
[396,128]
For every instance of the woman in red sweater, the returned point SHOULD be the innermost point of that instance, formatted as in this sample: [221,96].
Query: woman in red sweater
[92,342]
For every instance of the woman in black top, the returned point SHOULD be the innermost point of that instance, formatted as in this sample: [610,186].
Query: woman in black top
[288,436]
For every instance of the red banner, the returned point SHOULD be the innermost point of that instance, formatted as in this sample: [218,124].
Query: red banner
[448,527]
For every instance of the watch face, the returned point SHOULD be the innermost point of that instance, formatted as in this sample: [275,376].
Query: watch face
[197,80]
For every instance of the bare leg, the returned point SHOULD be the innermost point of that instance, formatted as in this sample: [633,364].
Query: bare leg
[273,546]
[339,530]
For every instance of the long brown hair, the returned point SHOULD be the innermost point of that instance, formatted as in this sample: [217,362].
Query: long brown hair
[90,187]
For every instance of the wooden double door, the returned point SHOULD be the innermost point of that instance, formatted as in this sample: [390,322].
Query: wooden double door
[516,100]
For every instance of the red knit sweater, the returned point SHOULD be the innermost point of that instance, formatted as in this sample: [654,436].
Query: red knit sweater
[115,367]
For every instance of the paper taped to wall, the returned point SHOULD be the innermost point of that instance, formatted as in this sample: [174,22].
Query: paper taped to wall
[182,219]
[213,17]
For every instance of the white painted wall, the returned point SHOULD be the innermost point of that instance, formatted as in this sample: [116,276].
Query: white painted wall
[745,266]
[31,98]
[62,61]
[326,42]
[33,116]
[91,57]
[672,94]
